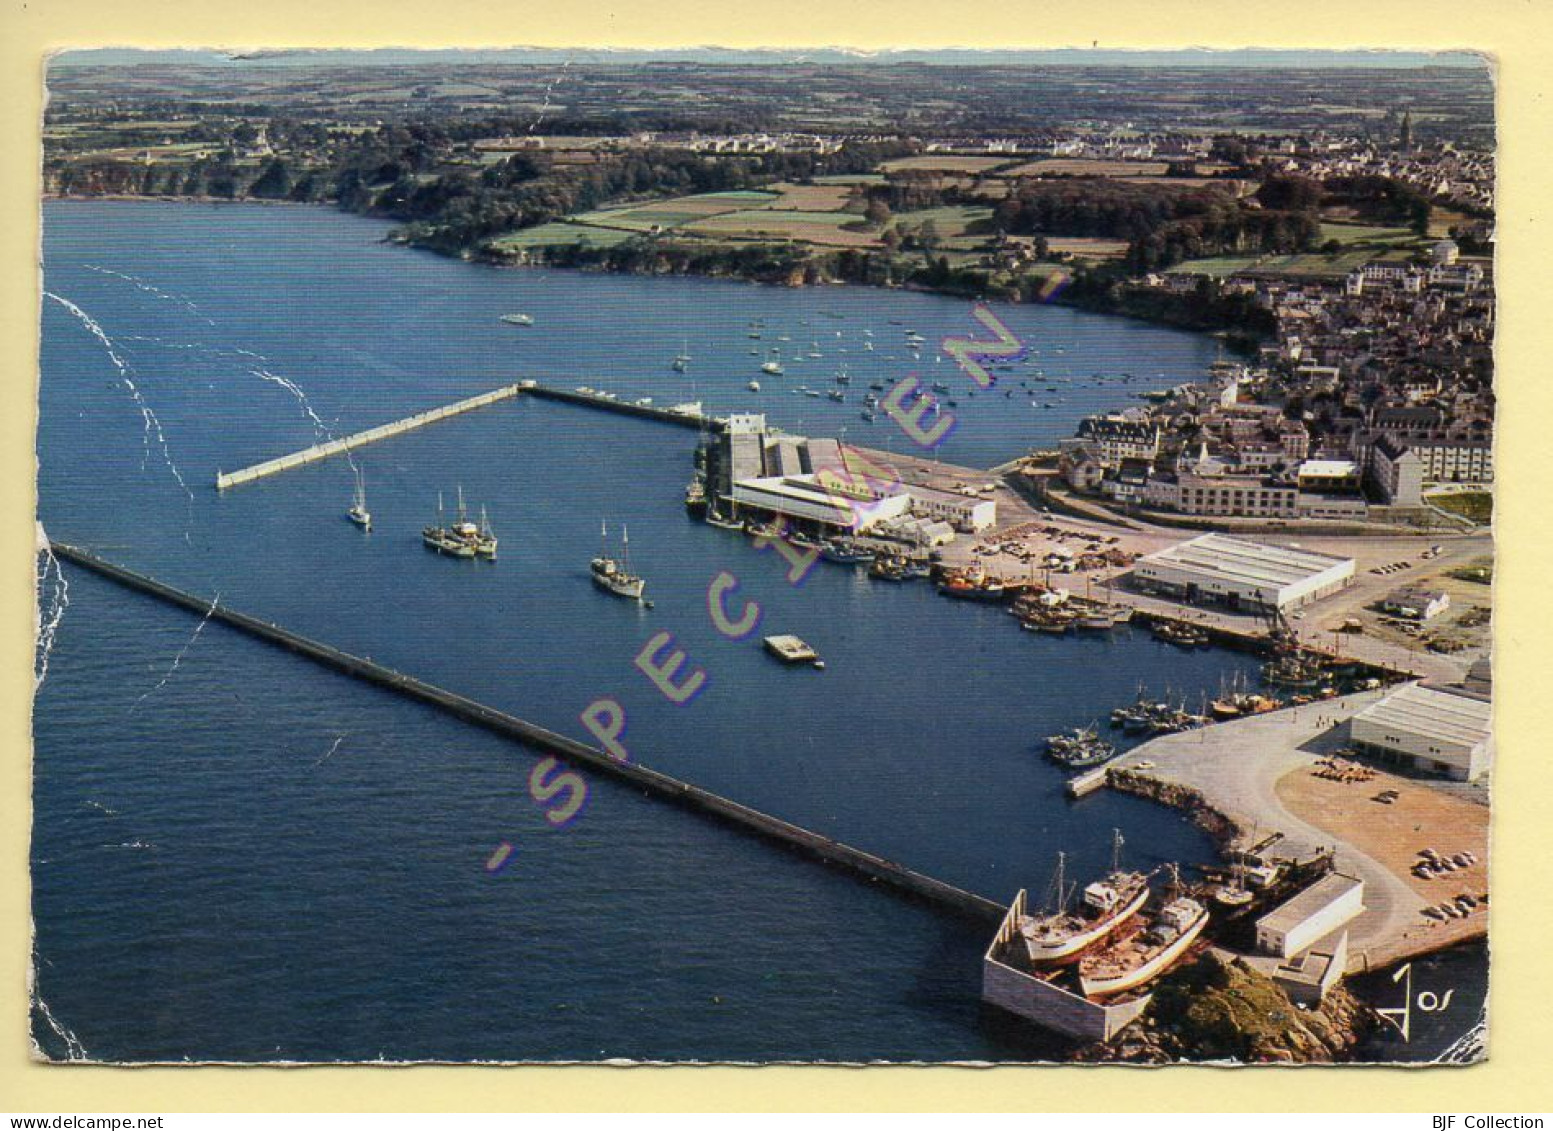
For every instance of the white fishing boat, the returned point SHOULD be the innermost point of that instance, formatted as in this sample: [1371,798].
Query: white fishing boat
[1146,954]
[1104,906]
[614,575]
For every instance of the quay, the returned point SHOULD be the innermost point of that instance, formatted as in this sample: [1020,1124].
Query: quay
[1263,778]
[861,864]
[349,443]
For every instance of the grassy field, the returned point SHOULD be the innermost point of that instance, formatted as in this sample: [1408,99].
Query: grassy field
[1083,167]
[811,198]
[1346,233]
[1313,265]
[945,162]
[1088,247]
[823,228]
[1481,572]
[1478,506]
[562,233]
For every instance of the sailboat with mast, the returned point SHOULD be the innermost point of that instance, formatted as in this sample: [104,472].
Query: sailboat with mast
[463,539]
[358,513]
[614,575]
[1060,934]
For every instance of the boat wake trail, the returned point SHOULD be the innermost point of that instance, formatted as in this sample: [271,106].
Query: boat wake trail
[320,429]
[330,752]
[182,652]
[48,617]
[151,425]
[152,289]
[1470,1047]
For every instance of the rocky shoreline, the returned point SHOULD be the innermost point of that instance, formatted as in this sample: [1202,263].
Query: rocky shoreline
[1220,1010]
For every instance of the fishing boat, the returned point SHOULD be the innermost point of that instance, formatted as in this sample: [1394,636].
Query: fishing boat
[1181,635]
[1293,672]
[722,523]
[1144,955]
[889,567]
[972,584]
[837,395]
[695,494]
[518,319]
[1060,934]
[446,539]
[358,513]
[1080,749]
[845,553]
[485,537]
[614,575]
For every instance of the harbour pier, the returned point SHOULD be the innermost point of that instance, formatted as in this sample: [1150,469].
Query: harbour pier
[593,398]
[360,439]
[861,864]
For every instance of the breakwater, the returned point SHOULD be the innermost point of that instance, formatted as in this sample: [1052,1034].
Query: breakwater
[346,444]
[864,865]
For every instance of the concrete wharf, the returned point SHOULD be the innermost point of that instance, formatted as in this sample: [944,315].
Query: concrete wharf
[346,444]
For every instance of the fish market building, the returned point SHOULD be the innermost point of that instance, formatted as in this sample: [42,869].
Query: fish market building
[1431,728]
[1241,574]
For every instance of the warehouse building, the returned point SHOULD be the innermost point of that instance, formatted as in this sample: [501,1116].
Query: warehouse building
[1241,574]
[824,509]
[1315,913]
[1429,727]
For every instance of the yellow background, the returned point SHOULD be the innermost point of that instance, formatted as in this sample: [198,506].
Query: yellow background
[1517,34]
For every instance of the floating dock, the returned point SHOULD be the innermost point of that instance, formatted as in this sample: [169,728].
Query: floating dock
[791,650]
[361,439]
[864,865]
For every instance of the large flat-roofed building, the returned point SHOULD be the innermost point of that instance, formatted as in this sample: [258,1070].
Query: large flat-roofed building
[1429,727]
[1242,574]
[804,499]
[1310,916]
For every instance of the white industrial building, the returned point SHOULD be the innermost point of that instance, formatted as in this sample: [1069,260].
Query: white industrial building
[803,498]
[1242,574]
[1315,913]
[1429,727]
[824,488]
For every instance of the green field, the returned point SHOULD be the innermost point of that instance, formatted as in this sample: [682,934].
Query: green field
[560,233]
[1310,265]
[1345,233]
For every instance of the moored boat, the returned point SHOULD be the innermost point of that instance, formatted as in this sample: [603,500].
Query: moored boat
[1060,934]
[1144,955]
[614,575]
